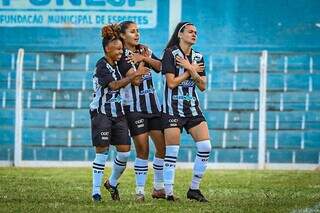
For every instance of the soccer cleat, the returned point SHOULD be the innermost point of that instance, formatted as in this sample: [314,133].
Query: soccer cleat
[158,194]
[96,198]
[172,198]
[139,198]
[195,194]
[113,190]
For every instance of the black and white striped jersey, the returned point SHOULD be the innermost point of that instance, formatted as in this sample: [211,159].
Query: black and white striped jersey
[105,100]
[183,100]
[142,98]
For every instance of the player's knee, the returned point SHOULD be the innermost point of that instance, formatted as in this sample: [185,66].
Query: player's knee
[102,149]
[204,146]
[143,154]
[123,156]
[160,153]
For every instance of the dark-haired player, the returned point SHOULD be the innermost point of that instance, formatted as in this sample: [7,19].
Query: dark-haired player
[143,109]
[183,70]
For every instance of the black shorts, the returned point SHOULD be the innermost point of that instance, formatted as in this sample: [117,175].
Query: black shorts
[172,121]
[140,123]
[107,130]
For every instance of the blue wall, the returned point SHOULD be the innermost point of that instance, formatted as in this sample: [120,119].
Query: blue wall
[233,24]
[251,24]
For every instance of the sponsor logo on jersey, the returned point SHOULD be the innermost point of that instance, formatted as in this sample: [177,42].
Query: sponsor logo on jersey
[187,83]
[186,97]
[110,92]
[116,99]
[146,77]
[147,91]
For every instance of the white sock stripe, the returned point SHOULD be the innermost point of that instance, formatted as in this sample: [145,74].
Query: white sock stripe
[158,169]
[136,166]
[168,156]
[203,152]
[119,163]
[140,169]
[170,161]
[98,164]
[203,156]
[97,168]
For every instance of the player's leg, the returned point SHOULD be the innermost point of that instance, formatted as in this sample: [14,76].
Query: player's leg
[98,165]
[121,141]
[172,139]
[158,160]
[138,126]
[141,164]
[200,134]
[172,131]
[100,130]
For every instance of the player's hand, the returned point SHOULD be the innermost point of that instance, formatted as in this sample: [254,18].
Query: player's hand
[142,70]
[183,62]
[198,67]
[135,58]
[143,49]
[145,52]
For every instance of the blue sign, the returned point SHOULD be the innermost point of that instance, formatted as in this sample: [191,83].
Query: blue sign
[76,13]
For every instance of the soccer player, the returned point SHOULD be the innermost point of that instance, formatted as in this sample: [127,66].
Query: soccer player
[143,109]
[183,71]
[108,124]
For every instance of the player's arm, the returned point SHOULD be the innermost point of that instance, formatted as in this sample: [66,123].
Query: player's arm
[201,81]
[173,81]
[154,62]
[115,85]
[147,58]
[141,70]
[196,72]
[105,79]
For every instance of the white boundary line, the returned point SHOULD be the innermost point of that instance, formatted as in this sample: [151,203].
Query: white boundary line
[180,165]
[311,209]
[5,163]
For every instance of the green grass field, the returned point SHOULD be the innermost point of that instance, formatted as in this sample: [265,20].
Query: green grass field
[69,190]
